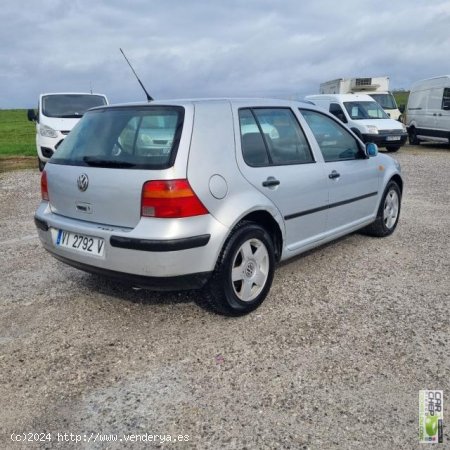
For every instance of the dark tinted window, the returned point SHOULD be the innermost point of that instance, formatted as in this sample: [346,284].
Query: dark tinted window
[272,136]
[446,99]
[70,105]
[133,137]
[335,142]
[337,111]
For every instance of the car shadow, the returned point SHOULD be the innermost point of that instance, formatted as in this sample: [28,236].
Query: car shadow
[125,291]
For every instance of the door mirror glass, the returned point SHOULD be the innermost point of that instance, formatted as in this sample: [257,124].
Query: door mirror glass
[31,114]
[371,149]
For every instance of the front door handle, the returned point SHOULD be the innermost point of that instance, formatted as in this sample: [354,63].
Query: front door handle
[333,175]
[271,182]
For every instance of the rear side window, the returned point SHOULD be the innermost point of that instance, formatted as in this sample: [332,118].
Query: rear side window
[446,99]
[272,136]
[129,137]
[335,142]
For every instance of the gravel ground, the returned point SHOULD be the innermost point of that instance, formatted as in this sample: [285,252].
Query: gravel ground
[334,358]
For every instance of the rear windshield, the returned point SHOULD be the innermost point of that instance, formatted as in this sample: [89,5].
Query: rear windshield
[130,137]
[70,105]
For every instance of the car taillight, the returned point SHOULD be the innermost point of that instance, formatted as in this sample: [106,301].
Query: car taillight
[170,199]
[44,186]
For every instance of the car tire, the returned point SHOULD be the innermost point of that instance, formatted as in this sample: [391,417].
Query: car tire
[388,212]
[392,148]
[412,136]
[41,164]
[244,272]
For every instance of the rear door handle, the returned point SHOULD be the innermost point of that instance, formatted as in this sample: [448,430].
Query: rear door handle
[334,174]
[271,182]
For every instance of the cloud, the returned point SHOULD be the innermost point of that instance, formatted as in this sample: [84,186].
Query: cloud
[215,48]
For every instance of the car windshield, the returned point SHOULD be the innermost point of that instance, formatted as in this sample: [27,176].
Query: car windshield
[70,105]
[386,101]
[144,137]
[365,110]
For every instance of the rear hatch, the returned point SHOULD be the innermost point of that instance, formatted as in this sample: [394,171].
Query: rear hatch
[99,171]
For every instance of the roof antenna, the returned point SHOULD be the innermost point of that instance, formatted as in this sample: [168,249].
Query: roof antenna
[149,97]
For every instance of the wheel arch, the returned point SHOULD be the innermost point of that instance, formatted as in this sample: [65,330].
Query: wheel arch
[398,179]
[268,222]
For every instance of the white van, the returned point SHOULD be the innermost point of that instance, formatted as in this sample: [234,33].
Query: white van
[365,117]
[57,114]
[428,110]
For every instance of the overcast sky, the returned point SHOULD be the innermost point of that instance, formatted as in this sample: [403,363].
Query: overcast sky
[213,48]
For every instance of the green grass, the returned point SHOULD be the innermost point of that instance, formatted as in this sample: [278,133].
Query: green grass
[401,97]
[17,134]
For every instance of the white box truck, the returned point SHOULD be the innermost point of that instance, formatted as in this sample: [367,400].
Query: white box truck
[57,114]
[376,87]
[428,111]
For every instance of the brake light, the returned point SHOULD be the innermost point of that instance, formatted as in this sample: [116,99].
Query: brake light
[44,186]
[170,199]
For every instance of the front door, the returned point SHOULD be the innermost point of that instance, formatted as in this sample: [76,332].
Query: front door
[352,177]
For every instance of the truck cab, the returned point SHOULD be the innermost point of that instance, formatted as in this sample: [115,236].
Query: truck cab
[376,87]
[56,115]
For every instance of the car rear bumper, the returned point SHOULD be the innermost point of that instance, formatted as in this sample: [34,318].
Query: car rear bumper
[184,256]
[180,282]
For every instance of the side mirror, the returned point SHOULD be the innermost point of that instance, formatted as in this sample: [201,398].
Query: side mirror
[401,108]
[446,105]
[31,114]
[371,149]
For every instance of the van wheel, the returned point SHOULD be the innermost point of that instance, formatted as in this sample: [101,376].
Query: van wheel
[243,273]
[41,164]
[392,148]
[412,136]
[388,212]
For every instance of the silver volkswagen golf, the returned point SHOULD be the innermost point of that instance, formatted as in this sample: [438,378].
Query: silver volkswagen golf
[210,194]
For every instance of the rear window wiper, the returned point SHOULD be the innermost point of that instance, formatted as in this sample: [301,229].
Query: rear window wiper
[98,162]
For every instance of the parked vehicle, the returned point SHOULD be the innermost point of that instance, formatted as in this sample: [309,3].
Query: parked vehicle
[218,210]
[428,111]
[57,114]
[376,87]
[365,117]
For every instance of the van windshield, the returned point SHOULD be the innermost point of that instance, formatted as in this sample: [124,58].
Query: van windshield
[70,105]
[386,101]
[365,110]
[138,137]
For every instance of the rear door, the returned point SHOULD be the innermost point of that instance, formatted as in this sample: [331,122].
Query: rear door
[276,159]
[352,177]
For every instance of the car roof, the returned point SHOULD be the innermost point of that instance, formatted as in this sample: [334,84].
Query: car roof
[239,102]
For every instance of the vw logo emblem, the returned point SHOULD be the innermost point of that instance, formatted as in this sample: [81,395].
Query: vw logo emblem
[83,182]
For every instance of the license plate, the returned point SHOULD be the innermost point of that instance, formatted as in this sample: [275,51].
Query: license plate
[393,138]
[80,242]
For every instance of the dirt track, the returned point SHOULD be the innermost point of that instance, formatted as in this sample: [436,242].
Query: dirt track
[334,359]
